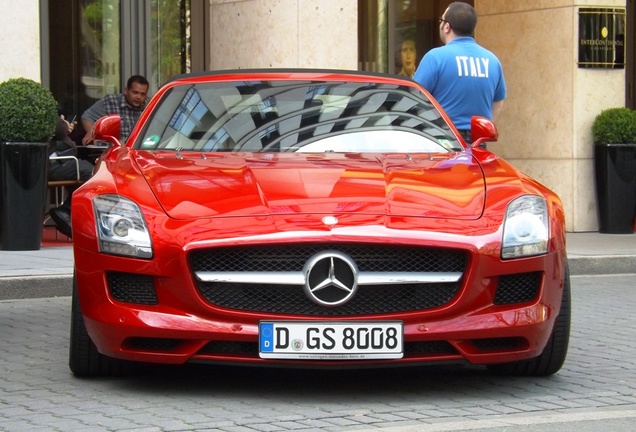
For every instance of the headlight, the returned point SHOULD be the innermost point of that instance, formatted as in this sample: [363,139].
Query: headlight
[121,227]
[526,229]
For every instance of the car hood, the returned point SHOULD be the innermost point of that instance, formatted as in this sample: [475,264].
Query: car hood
[196,185]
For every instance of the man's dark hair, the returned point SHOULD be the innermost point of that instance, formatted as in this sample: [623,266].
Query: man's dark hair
[137,79]
[462,18]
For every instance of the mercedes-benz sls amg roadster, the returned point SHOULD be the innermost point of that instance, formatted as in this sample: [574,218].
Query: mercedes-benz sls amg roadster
[318,219]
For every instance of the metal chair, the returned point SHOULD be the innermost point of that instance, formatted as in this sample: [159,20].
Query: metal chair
[59,190]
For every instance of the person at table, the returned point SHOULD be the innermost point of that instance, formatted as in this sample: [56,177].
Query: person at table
[62,167]
[129,104]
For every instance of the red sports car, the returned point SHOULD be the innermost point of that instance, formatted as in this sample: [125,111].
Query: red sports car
[323,219]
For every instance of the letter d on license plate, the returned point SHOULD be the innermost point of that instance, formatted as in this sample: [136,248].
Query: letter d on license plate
[311,340]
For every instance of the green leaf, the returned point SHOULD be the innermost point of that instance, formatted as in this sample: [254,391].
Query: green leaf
[28,111]
[615,126]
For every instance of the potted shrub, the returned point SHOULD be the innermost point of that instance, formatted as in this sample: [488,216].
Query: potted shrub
[614,134]
[28,115]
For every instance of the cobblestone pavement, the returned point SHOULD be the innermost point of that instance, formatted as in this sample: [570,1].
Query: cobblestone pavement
[38,393]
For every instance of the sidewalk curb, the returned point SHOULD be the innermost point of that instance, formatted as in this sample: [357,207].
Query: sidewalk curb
[25,287]
[602,264]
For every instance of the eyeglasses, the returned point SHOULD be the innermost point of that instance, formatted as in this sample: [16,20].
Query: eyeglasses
[442,20]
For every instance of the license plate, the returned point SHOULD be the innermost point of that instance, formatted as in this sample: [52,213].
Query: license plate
[311,340]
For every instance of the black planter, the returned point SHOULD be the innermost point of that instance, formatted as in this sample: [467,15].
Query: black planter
[615,167]
[23,180]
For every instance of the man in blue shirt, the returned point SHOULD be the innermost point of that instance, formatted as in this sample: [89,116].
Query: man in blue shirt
[465,78]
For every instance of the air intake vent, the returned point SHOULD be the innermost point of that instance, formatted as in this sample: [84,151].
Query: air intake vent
[132,288]
[517,288]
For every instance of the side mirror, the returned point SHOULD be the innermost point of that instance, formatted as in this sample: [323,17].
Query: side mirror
[482,131]
[108,128]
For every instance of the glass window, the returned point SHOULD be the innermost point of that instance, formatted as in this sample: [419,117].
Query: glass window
[285,116]
[394,35]
[170,30]
[88,41]
[99,48]
[84,54]
[413,34]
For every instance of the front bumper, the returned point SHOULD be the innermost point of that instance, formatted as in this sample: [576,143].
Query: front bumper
[180,325]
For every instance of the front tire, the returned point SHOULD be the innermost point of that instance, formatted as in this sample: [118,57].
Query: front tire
[84,358]
[553,356]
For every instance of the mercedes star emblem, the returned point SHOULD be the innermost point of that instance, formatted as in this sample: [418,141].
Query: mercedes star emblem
[331,278]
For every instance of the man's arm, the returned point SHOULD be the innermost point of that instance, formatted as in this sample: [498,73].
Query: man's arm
[90,116]
[426,72]
[88,128]
[496,108]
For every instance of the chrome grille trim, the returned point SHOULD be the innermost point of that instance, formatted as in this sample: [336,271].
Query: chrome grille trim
[299,278]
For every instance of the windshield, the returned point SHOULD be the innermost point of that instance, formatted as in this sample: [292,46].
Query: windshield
[296,116]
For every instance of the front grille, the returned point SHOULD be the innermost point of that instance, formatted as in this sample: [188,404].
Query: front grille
[289,258]
[132,288]
[291,299]
[517,288]
[286,299]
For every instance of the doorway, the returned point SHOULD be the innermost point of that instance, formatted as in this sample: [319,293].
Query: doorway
[389,28]
[91,47]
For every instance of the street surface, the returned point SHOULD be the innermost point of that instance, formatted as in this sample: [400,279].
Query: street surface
[595,391]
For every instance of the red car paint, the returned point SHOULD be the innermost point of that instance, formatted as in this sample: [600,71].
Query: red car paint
[195,200]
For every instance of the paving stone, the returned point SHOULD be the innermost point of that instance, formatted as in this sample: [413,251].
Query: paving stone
[37,391]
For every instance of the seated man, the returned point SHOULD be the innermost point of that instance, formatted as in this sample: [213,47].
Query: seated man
[65,169]
[129,105]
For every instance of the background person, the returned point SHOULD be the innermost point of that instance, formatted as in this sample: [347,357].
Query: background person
[465,78]
[65,169]
[62,145]
[129,105]
[408,54]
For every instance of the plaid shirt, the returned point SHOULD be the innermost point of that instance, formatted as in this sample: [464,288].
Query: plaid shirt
[116,104]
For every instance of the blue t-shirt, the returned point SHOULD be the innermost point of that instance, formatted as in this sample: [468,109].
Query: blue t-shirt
[464,78]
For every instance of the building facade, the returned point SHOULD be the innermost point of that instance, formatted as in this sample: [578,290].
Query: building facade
[83,49]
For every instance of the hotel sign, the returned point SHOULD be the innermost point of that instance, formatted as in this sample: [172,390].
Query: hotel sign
[602,38]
